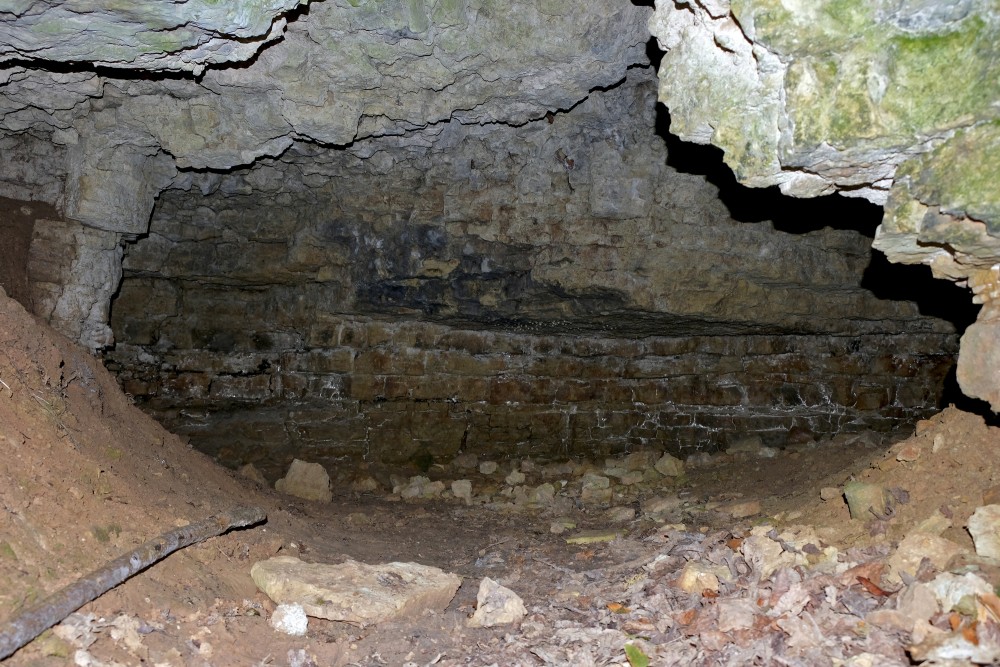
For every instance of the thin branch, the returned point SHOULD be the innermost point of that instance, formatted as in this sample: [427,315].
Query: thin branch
[37,619]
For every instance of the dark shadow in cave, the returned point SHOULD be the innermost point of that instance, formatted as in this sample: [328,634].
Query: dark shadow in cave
[789,214]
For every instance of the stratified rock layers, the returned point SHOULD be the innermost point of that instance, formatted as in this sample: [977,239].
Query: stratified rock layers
[552,288]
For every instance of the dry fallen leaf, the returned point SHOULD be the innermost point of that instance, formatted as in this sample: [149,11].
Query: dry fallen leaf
[687,617]
[618,608]
[872,588]
[970,633]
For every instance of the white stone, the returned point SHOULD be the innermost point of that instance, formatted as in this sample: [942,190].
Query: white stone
[660,506]
[984,526]
[914,548]
[488,467]
[290,619]
[462,488]
[514,478]
[496,605]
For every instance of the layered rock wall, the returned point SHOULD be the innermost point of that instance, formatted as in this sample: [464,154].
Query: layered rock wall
[554,288]
[391,391]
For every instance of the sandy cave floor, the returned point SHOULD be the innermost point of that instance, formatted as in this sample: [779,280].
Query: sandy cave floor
[85,476]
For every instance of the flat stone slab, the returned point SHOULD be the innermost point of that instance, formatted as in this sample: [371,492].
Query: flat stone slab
[356,592]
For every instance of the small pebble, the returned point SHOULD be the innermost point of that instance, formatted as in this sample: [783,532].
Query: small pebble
[828,493]
[515,478]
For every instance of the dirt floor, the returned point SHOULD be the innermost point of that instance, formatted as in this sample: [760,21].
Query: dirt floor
[737,559]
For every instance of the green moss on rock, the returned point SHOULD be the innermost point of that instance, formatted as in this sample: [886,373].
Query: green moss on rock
[962,175]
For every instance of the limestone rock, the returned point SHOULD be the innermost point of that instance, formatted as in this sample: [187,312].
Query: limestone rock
[496,605]
[984,526]
[355,592]
[306,480]
[488,467]
[850,101]
[462,488]
[979,362]
[669,466]
[635,477]
[764,549]
[640,460]
[595,489]
[914,548]
[741,509]
[620,514]
[542,495]
[514,478]
[805,134]
[697,577]
[183,36]
[866,501]
[660,507]
[419,486]
[364,483]
[73,271]
[290,619]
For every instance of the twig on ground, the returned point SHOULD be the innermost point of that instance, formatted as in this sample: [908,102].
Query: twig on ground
[38,618]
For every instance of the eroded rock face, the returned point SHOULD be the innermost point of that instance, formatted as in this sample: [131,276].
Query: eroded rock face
[552,288]
[73,272]
[101,147]
[343,72]
[830,96]
[186,35]
[477,166]
[573,225]
[891,101]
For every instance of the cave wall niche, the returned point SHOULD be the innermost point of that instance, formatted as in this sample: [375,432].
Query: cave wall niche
[550,289]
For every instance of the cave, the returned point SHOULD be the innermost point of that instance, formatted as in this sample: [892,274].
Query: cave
[677,319]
